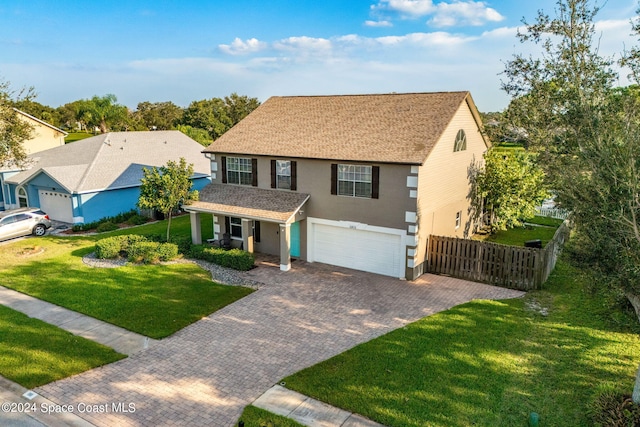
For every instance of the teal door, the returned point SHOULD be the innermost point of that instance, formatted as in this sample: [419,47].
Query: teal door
[295,239]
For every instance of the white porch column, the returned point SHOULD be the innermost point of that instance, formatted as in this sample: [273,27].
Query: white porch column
[247,235]
[196,232]
[216,227]
[285,247]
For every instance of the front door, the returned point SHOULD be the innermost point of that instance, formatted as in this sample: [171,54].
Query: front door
[295,239]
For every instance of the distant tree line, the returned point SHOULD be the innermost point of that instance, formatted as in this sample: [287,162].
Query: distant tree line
[203,120]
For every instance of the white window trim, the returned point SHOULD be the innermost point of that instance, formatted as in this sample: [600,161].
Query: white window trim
[232,225]
[458,219]
[278,174]
[354,181]
[18,196]
[241,160]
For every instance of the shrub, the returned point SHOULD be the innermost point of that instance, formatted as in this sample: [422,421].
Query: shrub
[167,251]
[183,243]
[107,248]
[146,252]
[111,247]
[137,220]
[234,258]
[107,226]
[613,408]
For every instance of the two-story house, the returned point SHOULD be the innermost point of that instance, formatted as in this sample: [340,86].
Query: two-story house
[357,181]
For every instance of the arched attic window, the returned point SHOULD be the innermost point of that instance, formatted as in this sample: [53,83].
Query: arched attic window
[461,141]
[23,199]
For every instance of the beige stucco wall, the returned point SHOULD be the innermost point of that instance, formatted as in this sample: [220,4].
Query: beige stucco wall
[44,137]
[443,183]
[314,178]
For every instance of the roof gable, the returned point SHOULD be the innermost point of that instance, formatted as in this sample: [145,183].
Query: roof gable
[113,160]
[389,128]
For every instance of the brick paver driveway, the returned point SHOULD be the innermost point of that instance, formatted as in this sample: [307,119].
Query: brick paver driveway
[205,374]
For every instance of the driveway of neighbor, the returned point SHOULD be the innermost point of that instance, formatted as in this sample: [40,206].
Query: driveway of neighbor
[205,374]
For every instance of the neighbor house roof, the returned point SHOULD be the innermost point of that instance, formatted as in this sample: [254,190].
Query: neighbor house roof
[249,202]
[388,128]
[113,160]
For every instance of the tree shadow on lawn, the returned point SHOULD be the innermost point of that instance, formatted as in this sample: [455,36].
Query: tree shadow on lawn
[482,363]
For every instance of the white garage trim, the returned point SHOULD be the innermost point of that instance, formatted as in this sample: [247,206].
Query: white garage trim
[57,205]
[359,246]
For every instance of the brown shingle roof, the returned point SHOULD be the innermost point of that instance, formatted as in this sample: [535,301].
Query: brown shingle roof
[249,202]
[391,128]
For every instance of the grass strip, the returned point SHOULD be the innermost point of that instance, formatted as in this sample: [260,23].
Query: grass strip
[33,353]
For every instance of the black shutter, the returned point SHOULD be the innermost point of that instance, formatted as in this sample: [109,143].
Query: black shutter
[334,178]
[227,225]
[256,231]
[254,172]
[375,182]
[273,174]
[294,175]
[223,160]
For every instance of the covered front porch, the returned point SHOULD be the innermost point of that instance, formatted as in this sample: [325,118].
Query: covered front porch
[256,219]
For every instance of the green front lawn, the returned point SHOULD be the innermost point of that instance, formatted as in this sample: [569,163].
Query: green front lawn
[487,362]
[33,353]
[153,300]
[544,230]
[77,136]
[256,417]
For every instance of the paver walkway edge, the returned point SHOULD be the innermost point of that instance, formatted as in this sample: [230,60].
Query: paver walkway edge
[307,411]
[119,339]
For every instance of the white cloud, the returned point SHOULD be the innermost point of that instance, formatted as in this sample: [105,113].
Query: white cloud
[382,23]
[414,8]
[464,13]
[443,14]
[303,44]
[241,47]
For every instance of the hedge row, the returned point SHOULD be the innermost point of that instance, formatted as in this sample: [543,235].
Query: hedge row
[135,248]
[107,223]
[233,258]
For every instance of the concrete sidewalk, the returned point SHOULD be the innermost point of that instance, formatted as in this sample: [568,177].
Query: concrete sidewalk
[308,411]
[121,340]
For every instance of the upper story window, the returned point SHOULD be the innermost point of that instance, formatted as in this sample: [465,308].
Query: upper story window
[239,170]
[283,174]
[461,141]
[355,180]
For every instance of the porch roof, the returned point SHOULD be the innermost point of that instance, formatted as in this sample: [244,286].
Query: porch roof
[249,202]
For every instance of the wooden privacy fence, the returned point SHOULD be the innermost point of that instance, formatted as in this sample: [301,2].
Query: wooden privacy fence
[502,265]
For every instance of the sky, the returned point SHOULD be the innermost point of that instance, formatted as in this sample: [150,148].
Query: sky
[188,50]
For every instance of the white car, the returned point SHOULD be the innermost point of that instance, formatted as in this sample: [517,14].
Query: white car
[22,222]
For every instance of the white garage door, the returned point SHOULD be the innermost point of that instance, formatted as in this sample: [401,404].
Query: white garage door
[56,205]
[366,250]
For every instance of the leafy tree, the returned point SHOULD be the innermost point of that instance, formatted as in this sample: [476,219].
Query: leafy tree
[13,130]
[158,115]
[238,107]
[210,115]
[200,135]
[42,112]
[166,188]
[588,136]
[510,186]
[217,115]
[102,112]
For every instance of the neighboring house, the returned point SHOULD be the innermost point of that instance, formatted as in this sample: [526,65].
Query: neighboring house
[356,181]
[99,176]
[44,137]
